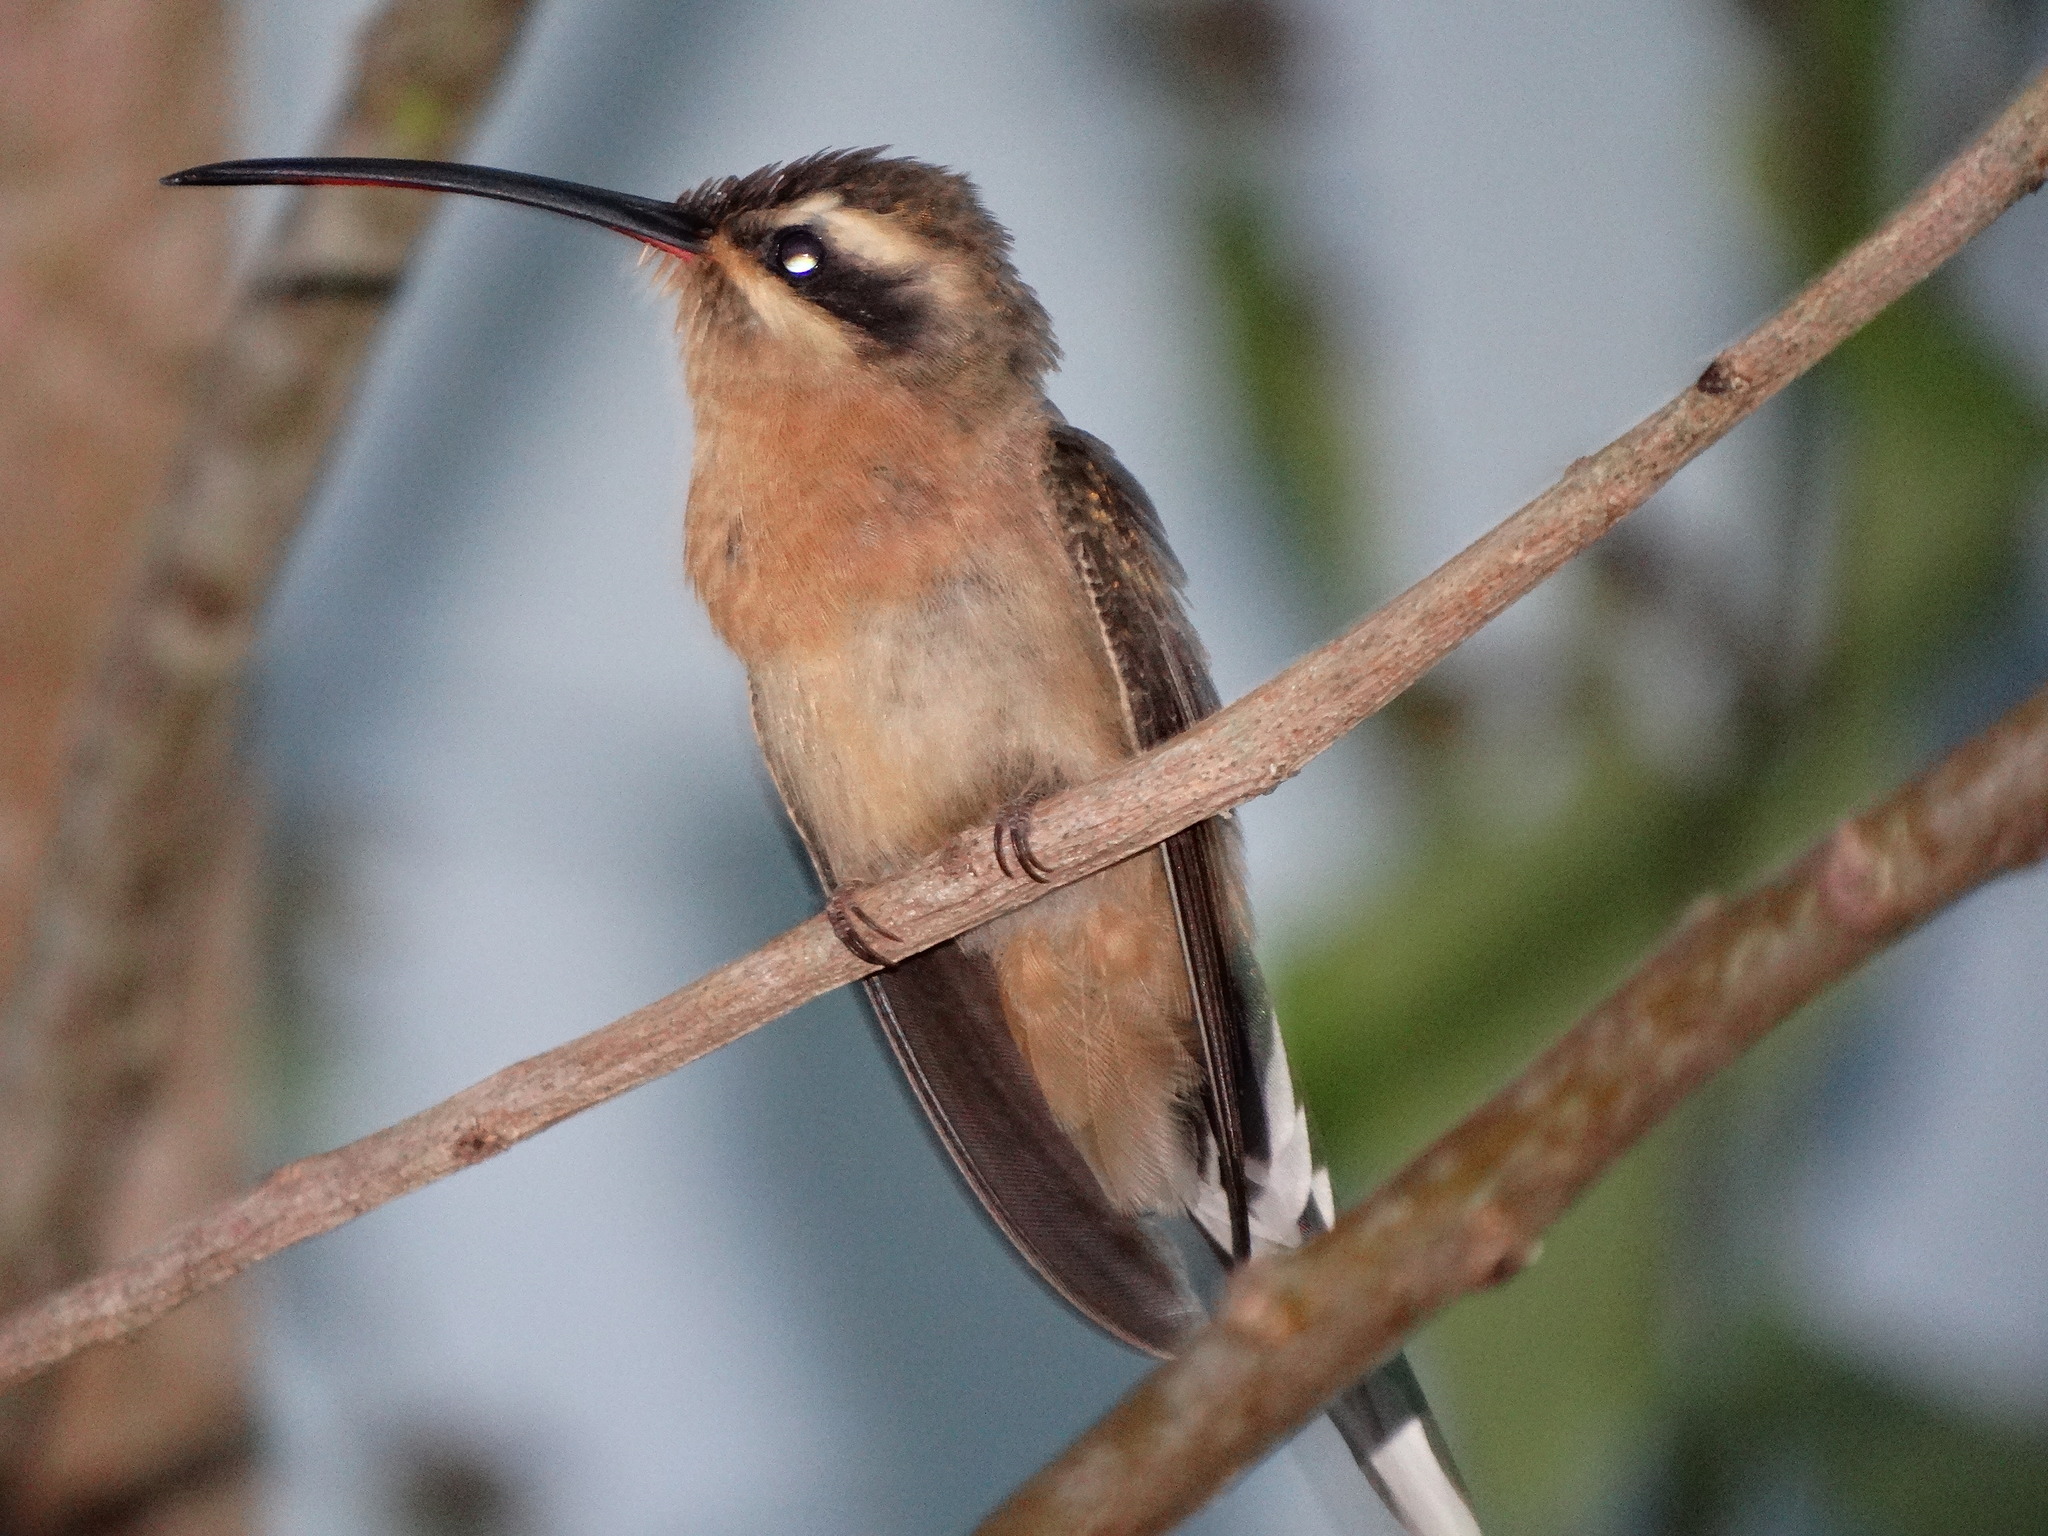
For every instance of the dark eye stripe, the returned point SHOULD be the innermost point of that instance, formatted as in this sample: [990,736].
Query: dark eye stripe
[887,309]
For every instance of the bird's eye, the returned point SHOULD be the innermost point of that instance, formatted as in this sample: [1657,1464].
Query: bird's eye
[798,253]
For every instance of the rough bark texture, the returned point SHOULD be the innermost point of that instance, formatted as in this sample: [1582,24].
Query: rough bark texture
[150,487]
[145,788]
[157,1438]
[108,293]
[1469,1211]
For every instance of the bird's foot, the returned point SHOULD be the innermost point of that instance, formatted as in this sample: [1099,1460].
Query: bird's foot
[1013,827]
[843,912]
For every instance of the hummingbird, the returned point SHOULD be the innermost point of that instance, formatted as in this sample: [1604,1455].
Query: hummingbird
[950,603]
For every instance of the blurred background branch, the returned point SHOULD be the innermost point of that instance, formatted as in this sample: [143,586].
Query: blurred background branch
[1469,1211]
[1899,521]
[107,298]
[127,973]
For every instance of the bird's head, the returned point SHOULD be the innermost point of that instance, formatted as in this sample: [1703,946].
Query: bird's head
[842,265]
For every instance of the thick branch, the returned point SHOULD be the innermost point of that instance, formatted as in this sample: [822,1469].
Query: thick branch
[110,296]
[83,1034]
[1467,1213]
[1245,750]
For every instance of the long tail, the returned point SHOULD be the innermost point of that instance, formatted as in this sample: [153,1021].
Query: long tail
[1283,1198]
[1387,1423]
[1384,1418]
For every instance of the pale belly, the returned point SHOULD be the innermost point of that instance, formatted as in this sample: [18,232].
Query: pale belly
[932,717]
[924,718]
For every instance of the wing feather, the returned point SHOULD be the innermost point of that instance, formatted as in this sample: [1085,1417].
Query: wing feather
[1258,1159]
[942,1016]
[1120,552]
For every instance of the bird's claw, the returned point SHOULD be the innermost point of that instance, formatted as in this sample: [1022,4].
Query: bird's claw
[842,912]
[1013,826]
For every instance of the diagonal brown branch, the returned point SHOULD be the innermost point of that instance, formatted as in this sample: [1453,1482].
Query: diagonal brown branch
[83,1037]
[1467,1213]
[1245,750]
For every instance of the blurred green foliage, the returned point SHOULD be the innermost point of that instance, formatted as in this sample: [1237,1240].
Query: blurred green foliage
[1277,345]
[1625,1380]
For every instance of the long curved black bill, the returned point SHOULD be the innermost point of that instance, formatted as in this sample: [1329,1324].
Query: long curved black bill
[665,226]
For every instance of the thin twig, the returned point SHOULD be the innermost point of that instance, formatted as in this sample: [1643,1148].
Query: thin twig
[1246,750]
[83,1037]
[1468,1212]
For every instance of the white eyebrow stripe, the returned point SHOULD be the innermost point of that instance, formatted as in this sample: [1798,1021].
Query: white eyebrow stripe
[817,203]
[874,240]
